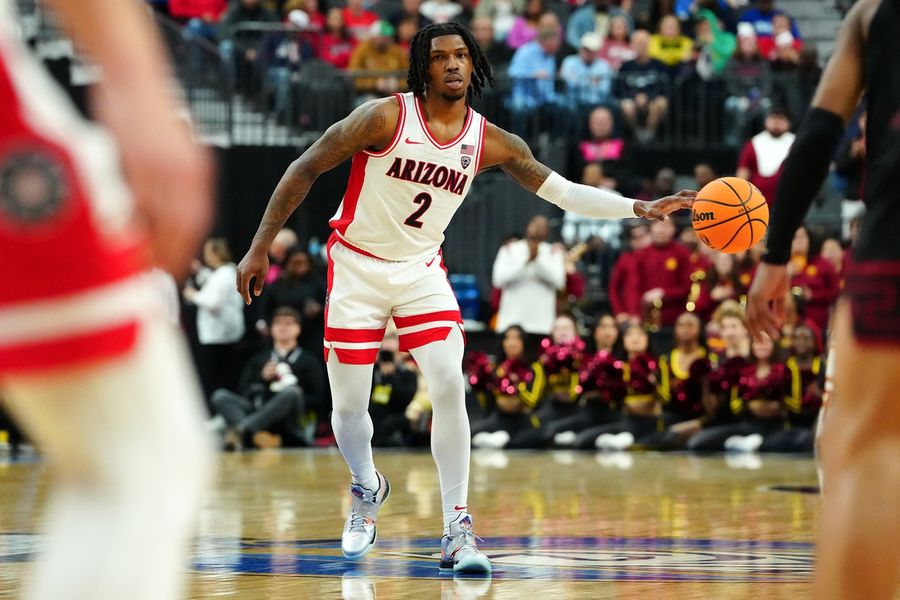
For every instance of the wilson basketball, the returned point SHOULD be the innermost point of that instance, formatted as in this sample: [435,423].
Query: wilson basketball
[730,215]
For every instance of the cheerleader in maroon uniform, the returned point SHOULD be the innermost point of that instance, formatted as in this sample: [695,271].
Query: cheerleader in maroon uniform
[722,400]
[813,280]
[720,283]
[560,356]
[762,391]
[517,384]
[682,386]
[641,410]
[807,369]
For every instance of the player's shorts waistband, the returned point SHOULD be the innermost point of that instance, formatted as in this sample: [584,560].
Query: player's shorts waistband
[336,238]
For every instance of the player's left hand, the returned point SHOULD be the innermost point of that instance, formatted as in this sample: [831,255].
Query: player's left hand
[765,301]
[660,209]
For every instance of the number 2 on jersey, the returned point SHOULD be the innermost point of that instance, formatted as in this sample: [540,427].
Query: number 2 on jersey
[424,200]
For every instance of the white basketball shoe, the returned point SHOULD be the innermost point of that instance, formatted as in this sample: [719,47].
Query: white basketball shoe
[359,530]
[459,550]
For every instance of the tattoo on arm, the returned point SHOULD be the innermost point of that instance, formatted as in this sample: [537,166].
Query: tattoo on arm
[521,165]
[342,140]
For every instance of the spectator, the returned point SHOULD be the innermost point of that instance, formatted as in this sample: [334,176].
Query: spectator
[668,46]
[603,146]
[624,283]
[284,51]
[720,283]
[664,276]
[202,23]
[714,44]
[518,386]
[850,161]
[278,385]
[306,16]
[761,17]
[406,30]
[358,20]
[762,156]
[785,58]
[835,253]
[393,389]
[588,78]
[525,26]
[593,16]
[299,288]
[380,53]
[616,48]
[577,228]
[240,48]
[409,9]
[441,11]
[533,71]
[781,24]
[703,174]
[497,53]
[502,13]
[220,315]
[336,44]
[529,272]
[641,88]
[284,241]
[748,83]
[814,282]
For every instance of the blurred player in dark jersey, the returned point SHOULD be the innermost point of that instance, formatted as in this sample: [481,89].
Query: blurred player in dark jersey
[859,541]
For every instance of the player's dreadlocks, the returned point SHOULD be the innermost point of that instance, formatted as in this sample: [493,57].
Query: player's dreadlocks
[420,55]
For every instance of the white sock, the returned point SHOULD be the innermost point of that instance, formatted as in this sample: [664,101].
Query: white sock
[351,386]
[441,364]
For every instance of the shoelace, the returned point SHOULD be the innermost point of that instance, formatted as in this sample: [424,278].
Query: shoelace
[467,540]
[357,522]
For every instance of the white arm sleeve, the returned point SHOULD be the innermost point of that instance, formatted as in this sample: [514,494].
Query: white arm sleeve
[584,199]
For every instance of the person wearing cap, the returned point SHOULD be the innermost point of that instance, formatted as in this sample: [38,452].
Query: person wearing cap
[588,77]
[761,17]
[380,53]
[762,156]
[748,81]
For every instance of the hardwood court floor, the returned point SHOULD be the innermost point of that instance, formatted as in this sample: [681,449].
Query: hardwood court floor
[558,524]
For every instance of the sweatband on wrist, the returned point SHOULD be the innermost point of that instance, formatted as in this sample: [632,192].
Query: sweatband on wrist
[584,199]
[804,171]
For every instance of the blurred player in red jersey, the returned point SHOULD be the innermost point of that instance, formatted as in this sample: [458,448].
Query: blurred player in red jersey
[859,540]
[88,364]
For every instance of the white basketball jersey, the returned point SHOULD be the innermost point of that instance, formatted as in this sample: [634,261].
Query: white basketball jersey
[400,201]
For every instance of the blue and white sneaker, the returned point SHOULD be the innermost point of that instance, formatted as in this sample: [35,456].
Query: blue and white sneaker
[359,529]
[459,551]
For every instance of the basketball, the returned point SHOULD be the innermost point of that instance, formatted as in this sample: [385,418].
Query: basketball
[730,215]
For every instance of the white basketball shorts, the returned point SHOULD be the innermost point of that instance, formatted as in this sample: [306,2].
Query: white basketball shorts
[364,291]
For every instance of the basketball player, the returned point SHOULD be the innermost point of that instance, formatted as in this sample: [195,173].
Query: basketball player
[859,541]
[88,364]
[414,158]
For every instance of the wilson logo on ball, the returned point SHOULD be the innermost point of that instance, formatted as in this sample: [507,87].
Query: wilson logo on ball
[703,216]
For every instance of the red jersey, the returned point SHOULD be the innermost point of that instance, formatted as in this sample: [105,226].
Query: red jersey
[67,249]
[667,267]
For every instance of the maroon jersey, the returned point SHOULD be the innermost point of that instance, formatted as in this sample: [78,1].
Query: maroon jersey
[682,391]
[667,267]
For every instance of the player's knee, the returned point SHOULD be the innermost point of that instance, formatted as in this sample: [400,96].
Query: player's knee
[447,382]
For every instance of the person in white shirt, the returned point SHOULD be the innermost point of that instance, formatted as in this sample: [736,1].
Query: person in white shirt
[529,272]
[220,316]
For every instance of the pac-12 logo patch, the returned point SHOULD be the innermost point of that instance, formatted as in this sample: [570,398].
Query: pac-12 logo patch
[33,186]
[466,161]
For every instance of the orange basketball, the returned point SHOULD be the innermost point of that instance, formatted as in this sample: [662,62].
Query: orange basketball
[730,215]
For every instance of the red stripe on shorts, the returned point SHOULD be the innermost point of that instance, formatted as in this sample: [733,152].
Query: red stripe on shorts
[346,356]
[444,315]
[409,341]
[355,336]
[70,350]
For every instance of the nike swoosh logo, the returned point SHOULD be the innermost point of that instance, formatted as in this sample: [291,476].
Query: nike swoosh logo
[460,507]
[409,141]
[428,264]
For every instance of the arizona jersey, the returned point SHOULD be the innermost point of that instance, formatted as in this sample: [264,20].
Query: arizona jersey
[399,201]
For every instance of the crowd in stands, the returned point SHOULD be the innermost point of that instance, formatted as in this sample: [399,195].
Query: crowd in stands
[555,60]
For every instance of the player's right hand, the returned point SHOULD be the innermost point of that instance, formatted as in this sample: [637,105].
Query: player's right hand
[765,301]
[254,266]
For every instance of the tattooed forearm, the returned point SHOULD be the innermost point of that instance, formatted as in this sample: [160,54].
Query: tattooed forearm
[522,166]
[362,128]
